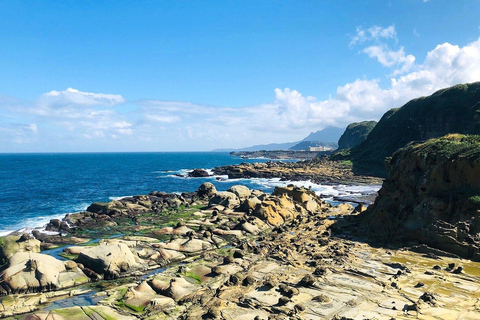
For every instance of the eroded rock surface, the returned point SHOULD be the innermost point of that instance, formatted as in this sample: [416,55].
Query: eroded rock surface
[432,196]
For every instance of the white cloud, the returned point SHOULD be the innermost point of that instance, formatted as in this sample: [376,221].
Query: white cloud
[74,118]
[292,114]
[72,96]
[389,58]
[375,33]
[18,133]
[164,118]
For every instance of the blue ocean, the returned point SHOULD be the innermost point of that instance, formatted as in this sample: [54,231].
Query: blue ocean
[35,188]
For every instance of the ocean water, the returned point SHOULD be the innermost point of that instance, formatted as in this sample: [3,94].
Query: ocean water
[35,188]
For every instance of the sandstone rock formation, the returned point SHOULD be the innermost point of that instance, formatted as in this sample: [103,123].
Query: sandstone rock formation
[35,272]
[319,170]
[109,260]
[224,198]
[432,196]
[206,189]
[11,244]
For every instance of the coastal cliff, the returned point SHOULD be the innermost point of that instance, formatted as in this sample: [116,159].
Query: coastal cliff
[451,110]
[432,196]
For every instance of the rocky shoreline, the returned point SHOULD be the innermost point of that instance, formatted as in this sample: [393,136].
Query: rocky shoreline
[240,254]
[278,154]
[320,170]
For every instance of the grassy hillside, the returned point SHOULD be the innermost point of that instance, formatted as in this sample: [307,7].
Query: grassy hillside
[355,134]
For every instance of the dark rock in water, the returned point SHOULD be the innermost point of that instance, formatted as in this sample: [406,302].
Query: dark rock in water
[432,196]
[198,173]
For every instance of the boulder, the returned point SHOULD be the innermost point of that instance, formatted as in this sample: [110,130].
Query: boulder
[140,297]
[108,208]
[276,210]
[34,272]
[12,244]
[296,193]
[186,245]
[305,197]
[111,260]
[249,204]
[180,230]
[226,199]
[206,189]
[242,192]
[176,288]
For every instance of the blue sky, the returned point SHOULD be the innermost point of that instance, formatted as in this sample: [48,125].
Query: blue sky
[200,75]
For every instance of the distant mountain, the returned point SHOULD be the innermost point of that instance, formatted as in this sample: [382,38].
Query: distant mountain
[328,134]
[266,147]
[303,145]
[321,137]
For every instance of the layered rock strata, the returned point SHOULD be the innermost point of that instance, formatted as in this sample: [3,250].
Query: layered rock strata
[432,196]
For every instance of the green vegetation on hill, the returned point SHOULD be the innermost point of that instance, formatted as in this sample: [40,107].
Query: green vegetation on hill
[451,147]
[355,134]
[451,110]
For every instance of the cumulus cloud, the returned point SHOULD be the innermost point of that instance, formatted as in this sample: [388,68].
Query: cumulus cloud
[76,117]
[389,58]
[381,49]
[292,114]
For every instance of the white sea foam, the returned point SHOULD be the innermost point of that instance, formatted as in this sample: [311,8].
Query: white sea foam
[327,192]
[39,223]
[118,198]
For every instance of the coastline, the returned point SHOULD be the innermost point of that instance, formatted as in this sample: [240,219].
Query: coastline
[335,190]
[328,192]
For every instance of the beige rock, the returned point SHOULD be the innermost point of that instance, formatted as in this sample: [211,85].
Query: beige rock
[176,288]
[38,272]
[250,204]
[182,230]
[226,199]
[109,259]
[143,296]
[242,192]
[186,245]
[206,189]
[12,244]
